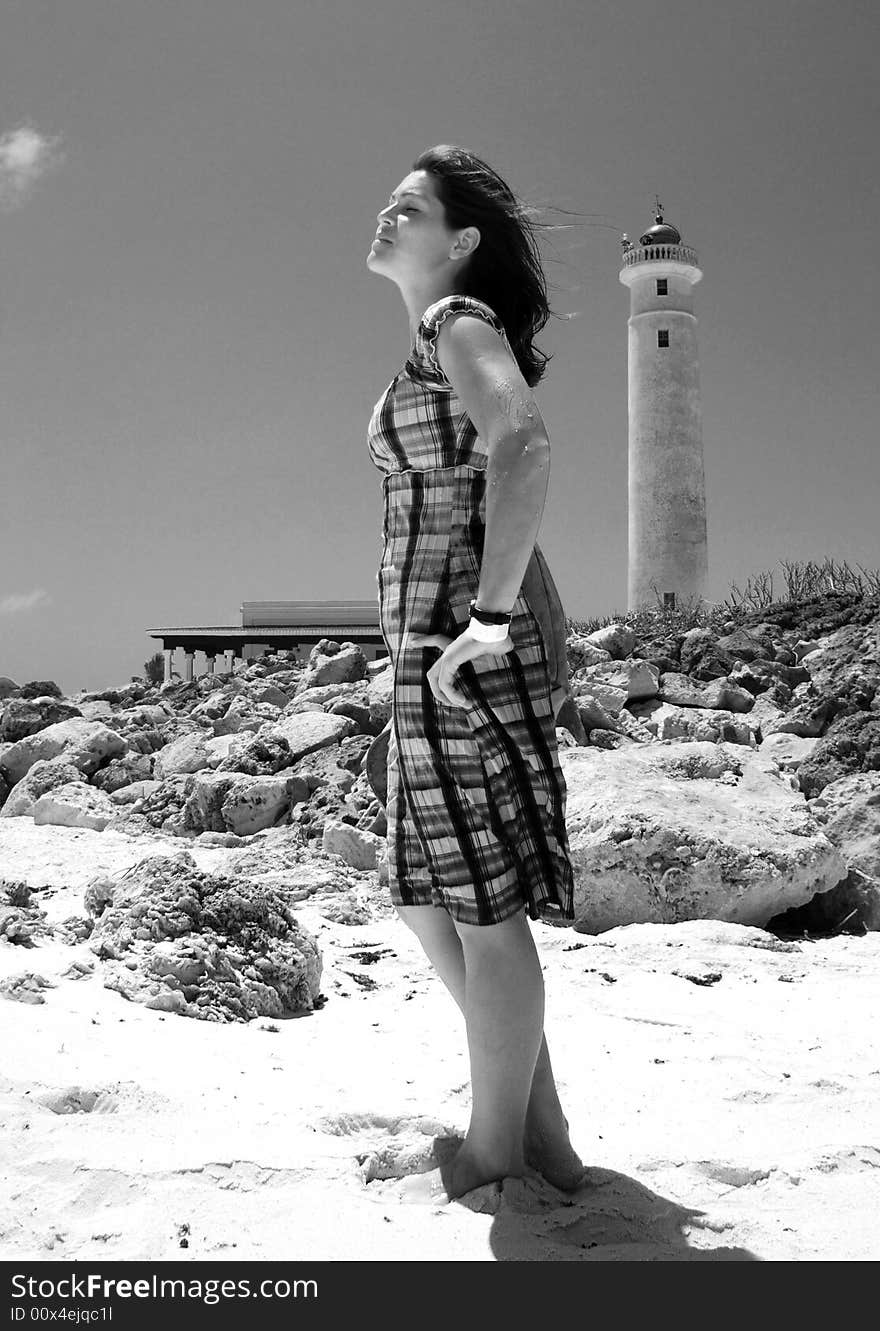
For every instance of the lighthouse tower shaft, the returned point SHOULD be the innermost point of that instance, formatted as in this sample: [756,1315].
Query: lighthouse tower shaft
[668,558]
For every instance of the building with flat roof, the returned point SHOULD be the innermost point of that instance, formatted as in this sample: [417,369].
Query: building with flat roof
[273,626]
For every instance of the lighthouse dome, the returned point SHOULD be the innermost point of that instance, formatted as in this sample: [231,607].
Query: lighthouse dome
[661,234]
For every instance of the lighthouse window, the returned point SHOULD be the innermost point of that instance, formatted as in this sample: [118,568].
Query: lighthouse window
[662,286]
[662,337]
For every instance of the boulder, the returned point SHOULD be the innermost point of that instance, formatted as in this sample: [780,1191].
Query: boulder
[121,772]
[376,764]
[74,805]
[636,677]
[203,807]
[618,640]
[213,948]
[787,750]
[808,718]
[681,691]
[711,724]
[309,731]
[41,778]
[27,716]
[135,793]
[588,690]
[255,802]
[848,811]
[358,848]
[380,696]
[851,744]
[255,755]
[86,744]
[581,652]
[189,753]
[245,714]
[7,687]
[333,663]
[678,831]
[593,716]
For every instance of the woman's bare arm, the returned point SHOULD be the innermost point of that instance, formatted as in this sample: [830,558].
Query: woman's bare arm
[493,392]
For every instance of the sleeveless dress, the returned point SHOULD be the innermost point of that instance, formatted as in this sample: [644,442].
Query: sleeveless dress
[476,796]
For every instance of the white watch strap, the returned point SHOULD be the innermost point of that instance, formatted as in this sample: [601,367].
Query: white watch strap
[487,632]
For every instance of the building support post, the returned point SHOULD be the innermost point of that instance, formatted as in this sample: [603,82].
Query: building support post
[169,662]
[228,661]
[188,660]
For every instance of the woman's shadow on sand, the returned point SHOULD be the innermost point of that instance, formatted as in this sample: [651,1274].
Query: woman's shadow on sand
[609,1218]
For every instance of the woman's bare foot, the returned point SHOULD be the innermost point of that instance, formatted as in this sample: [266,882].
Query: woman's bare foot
[548,1150]
[467,1170]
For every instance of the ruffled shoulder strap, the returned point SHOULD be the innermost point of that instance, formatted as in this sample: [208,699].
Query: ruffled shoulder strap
[422,364]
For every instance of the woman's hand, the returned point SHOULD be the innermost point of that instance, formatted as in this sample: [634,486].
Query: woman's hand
[455,651]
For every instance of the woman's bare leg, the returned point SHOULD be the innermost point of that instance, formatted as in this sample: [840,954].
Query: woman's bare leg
[546,1143]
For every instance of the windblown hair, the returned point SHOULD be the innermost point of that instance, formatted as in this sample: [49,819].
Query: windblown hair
[505,270]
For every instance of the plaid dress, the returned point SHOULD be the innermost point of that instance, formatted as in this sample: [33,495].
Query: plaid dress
[476,795]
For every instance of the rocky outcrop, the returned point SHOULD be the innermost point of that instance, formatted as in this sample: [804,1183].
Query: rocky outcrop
[217,949]
[334,663]
[38,781]
[85,744]
[26,716]
[74,804]
[683,831]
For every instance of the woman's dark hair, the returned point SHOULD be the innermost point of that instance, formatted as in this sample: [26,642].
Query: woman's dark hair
[505,270]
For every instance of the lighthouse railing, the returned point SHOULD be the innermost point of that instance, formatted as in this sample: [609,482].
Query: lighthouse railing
[645,253]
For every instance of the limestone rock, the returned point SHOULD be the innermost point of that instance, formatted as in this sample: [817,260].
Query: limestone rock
[8,687]
[667,721]
[135,793]
[678,831]
[582,652]
[358,848]
[28,716]
[851,744]
[380,696]
[121,772]
[205,794]
[245,714]
[593,716]
[618,640]
[213,948]
[848,811]
[586,690]
[357,709]
[309,731]
[256,755]
[86,744]
[189,753]
[681,691]
[635,676]
[808,718]
[376,764]
[332,662]
[74,805]
[788,750]
[41,778]
[255,802]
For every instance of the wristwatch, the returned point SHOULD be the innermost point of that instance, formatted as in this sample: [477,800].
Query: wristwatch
[489,616]
[488,625]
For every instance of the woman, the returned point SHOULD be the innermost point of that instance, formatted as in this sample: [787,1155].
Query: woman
[476,795]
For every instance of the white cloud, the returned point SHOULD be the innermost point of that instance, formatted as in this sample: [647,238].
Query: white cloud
[25,156]
[14,603]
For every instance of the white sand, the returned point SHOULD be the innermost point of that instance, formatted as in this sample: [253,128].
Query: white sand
[736,1120]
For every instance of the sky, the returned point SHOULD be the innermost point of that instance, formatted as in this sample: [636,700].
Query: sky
[191,343]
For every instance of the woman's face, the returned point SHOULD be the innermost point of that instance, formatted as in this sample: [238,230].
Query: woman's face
[412,239]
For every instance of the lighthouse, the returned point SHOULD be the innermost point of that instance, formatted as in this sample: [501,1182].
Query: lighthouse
[668,560]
